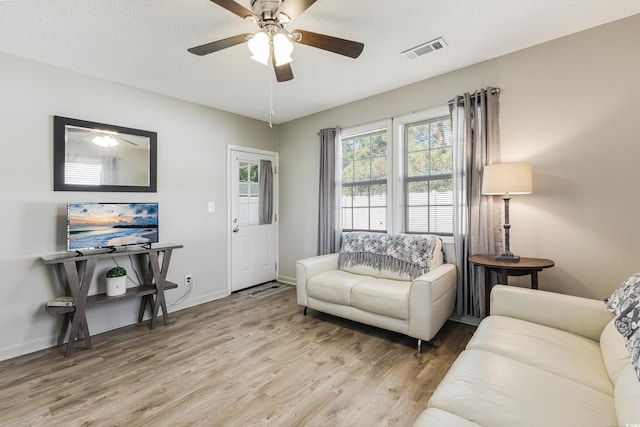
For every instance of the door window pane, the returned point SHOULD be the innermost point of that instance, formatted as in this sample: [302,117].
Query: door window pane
[248,192]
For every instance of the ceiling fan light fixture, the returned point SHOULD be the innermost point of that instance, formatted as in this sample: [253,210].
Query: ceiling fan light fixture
[282,49]
[259,47]
[105,141]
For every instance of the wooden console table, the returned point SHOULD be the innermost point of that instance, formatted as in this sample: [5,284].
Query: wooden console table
[525,267]
[76,273]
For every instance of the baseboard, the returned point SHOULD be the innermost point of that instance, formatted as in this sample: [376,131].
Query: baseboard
[287,280]
[98,328]
[196,301]
[29,347]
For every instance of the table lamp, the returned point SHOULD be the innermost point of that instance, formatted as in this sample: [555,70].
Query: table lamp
[505,179]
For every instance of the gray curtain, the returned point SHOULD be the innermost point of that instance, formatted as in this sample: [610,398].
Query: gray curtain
[329,229]
[110,170]
[477,225]
[265,196]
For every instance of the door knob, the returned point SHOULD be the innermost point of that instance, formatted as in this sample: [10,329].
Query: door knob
[236,229]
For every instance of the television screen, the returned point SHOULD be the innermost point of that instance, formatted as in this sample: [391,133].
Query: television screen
[108,225]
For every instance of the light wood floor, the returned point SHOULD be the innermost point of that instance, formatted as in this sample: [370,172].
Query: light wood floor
[238,361]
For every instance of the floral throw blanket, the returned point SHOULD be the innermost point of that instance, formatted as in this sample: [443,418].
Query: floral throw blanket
[624,303]
[404,253]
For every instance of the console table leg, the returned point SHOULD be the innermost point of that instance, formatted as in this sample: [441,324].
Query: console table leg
[63,329]
[144,302]
[159,275]
[79,290]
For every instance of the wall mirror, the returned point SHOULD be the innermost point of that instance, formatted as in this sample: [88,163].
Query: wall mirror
[89,156]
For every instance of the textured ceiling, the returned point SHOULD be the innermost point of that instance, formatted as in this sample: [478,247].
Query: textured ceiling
[143,43]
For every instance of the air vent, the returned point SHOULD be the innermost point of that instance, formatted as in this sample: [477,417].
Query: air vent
[425,48]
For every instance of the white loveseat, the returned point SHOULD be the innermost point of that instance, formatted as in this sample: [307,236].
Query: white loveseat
[381,294]
[540,359]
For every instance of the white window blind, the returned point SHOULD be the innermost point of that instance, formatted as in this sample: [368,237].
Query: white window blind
[82,173]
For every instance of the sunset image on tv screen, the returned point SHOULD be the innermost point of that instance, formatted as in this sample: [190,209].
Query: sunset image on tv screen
[101,225]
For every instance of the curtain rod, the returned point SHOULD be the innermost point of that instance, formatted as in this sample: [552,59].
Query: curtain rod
[494,90]
[330,130]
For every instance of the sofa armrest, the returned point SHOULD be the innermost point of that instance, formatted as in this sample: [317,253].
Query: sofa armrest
[309,267]
[431,301]
[581,316]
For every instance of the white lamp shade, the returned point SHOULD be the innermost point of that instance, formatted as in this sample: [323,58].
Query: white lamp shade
[282,49]
[259,47]
[507,178]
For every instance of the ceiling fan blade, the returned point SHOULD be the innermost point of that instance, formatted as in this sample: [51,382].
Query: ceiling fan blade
[234,7]
[208,48]
[332,44]
[294,8]
[284,73]
[126,140]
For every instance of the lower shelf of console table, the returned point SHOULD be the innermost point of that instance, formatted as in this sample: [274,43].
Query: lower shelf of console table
[100,299]
[147,294]
[76,273]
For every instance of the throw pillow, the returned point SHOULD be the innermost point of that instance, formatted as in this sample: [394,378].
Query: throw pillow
[629,289]
[624,303]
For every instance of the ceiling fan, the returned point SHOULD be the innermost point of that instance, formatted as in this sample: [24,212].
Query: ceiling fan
[103,138]
[274,41]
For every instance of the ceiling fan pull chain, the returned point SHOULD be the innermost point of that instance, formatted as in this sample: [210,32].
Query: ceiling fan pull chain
[270,98]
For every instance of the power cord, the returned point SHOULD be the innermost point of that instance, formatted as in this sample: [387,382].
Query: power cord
[184,296]
[138,282]
[180,300]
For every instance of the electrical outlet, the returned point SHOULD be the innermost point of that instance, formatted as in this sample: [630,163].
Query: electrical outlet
[187,280]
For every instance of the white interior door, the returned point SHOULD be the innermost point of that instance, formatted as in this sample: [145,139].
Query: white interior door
[253,245]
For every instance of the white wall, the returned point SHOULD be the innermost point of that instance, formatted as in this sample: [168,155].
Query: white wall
[192,169]
[570,107]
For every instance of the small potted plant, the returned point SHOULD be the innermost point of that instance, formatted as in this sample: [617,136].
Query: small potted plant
[116,281]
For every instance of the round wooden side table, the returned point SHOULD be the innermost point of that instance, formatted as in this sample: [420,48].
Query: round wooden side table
[525,267]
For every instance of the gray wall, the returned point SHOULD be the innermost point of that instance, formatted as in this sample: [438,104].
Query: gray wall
[192,170]
[570,107]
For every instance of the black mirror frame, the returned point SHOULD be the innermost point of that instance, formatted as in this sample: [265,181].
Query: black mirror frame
[59,146]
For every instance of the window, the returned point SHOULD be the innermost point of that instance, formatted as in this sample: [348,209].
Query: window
[82,173]
[365,171]
[428,178]
[248,192]
[399,184]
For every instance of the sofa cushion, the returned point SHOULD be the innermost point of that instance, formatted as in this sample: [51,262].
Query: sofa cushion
[633,346]
[334,286]
[553,350]
[382,296]
[438,417]
[627,398]
[494,390]
[614,353]
[365,270]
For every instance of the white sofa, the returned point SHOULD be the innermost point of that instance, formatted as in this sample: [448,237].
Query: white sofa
[380,297]
[540,359]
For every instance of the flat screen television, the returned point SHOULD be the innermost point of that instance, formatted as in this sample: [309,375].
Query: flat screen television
[110,225]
